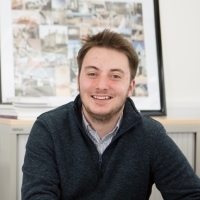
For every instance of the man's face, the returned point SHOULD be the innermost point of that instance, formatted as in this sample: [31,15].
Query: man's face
[104,83]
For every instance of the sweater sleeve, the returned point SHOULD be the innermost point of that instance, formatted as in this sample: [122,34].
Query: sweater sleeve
[173,175]
[40,174]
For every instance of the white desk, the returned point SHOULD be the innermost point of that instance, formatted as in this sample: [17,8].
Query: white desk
[14,134]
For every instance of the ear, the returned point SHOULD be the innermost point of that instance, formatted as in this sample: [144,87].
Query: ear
[131,88]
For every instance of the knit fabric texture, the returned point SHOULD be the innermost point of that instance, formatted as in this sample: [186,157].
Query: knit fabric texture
[62,162]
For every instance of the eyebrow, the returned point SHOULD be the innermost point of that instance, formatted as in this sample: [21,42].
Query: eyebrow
[118,70]
[112,70]
[91,67]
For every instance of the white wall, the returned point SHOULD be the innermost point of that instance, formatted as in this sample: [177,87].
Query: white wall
[180,30]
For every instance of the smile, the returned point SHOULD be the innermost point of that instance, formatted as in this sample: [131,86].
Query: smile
[102,97]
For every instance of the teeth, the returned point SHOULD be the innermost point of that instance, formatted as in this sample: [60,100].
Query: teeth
[98,97]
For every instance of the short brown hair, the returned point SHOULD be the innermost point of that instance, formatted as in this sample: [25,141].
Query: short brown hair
[111,40]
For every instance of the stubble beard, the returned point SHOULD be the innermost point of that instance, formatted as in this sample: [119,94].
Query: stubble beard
[107,117]
[102,118]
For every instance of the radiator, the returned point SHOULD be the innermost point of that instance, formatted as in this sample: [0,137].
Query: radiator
[185,141]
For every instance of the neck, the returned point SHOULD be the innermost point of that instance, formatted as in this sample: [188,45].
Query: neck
[101,126]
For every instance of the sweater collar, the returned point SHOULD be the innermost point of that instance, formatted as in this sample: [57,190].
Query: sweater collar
[131,116]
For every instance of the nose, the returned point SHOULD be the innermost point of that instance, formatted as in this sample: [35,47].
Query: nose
[102,83]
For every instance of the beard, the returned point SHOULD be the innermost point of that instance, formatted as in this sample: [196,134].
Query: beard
[104,118]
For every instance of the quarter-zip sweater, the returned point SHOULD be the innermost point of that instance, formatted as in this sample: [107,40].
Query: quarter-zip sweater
[62,162]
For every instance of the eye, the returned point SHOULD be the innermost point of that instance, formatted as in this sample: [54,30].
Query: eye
[115,76]
[91,74]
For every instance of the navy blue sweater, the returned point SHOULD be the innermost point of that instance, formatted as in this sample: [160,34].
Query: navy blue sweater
[62,162]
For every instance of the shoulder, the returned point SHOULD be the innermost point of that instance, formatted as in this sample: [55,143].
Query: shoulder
[64,112]
[57,113]
[132,115]
[150,124]
[150,131]
[55,118]
[155,131]
[53,122]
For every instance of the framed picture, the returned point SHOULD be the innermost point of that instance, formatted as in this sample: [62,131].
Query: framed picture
[40,41]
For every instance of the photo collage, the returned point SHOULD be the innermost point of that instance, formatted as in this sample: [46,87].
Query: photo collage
[47,37]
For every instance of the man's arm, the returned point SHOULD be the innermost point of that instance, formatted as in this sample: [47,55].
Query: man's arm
[173,175]
[40,174]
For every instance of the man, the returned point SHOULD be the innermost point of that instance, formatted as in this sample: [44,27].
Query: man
[99,147]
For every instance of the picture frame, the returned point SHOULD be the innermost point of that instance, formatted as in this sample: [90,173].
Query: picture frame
[40,41]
